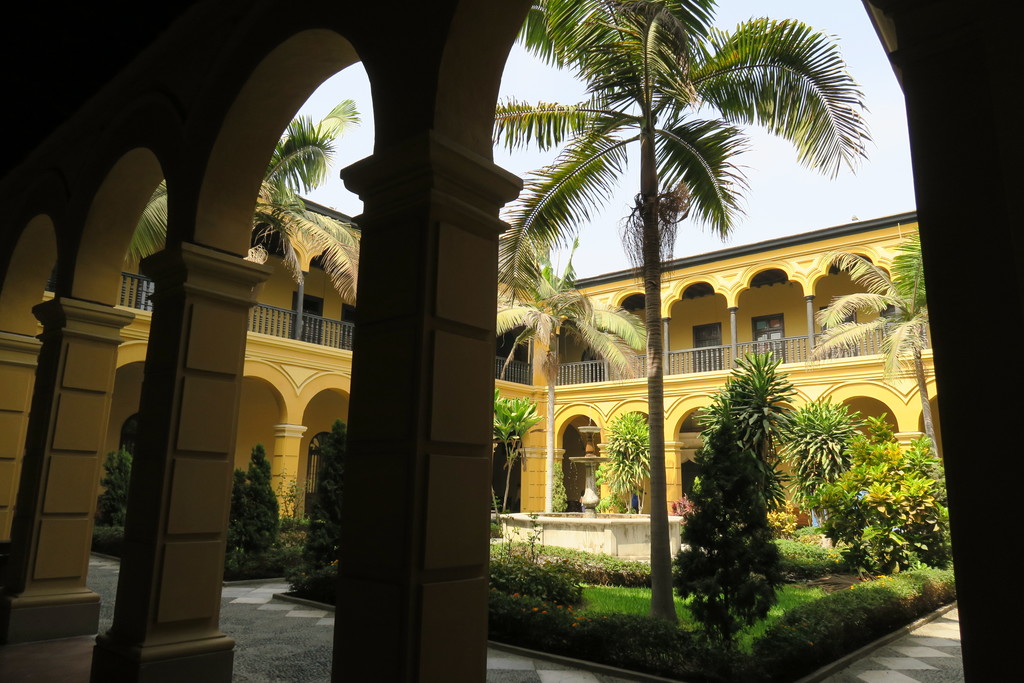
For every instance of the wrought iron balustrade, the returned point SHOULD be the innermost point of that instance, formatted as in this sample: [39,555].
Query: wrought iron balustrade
[135,292]
[516,371]
[277,322]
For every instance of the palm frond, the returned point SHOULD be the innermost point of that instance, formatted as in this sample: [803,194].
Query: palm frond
[151,231]
[545,124]
[785,76]
[699,154]
[555,200]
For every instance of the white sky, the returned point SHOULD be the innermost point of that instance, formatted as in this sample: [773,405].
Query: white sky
[783,199]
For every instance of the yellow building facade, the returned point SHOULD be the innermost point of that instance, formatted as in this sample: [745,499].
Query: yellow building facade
[717,307]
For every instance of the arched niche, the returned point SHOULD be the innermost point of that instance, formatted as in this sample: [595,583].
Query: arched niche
[31,263]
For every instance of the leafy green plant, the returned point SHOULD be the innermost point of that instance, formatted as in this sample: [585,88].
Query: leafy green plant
[816,439]
[629,453]
[554,582]
[730,565]
[759,406]
[885,509]
[513,417]
[113,502]
[558,497]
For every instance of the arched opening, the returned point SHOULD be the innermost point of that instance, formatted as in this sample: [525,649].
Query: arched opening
[259,410]
[313,453]
[318,417]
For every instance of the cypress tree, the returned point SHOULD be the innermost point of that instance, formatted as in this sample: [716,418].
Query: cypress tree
[113,502]
[730,565]
[254,511]
[325,515]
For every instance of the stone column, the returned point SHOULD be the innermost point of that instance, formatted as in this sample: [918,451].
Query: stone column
[673,475]
[422,396]
[45,595]
[733,332]
[535,459]
[18,354]
[284,466]
[810,324]
[168,594]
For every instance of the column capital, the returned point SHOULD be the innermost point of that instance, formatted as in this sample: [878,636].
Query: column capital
[287,430]
[460,181]
[79,318]
[18,349]
[199,269]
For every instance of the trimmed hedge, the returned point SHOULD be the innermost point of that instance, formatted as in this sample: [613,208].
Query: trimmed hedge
[809,561]
[108,540]
[594,569]
[636,643]
[553,582]
[817,633]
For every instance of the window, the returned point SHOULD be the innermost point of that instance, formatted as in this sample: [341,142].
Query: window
[769,332]
[707,359]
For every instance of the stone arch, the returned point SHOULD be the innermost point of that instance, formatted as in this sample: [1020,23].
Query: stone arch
[319,413]
[110,220]
[125,397]
[31,262]
[573,444]
[260,408]
[252,125]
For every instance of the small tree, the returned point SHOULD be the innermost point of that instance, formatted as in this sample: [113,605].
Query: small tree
[886,508]
[513,417]
[629,453]
[113,502]
[325,517]
[730,565]
[759,399]
[815,446]
[254,512]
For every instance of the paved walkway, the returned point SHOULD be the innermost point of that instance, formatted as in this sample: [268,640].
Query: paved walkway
[279,640]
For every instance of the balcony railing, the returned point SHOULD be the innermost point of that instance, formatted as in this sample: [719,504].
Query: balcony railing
[135,291]
[516,371]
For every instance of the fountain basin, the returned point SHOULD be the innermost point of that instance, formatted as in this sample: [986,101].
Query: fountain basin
[624,536]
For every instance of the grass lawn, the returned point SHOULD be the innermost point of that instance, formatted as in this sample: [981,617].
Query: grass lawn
[612,600]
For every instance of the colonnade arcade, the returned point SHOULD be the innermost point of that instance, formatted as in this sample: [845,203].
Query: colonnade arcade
[201,106]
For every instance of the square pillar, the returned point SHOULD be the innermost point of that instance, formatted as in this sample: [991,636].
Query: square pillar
[45,595]
[18,355]
[413,579]
[168,594]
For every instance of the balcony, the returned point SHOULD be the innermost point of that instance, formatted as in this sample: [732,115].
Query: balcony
[136,291]
[711,359]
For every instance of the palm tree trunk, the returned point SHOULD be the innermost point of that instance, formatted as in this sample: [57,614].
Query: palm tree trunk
[662,604]
[926,406]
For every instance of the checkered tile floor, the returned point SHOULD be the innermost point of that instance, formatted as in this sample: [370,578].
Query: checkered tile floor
[929,654]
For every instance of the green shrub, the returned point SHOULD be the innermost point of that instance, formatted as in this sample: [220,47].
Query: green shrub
[315,583]
[637,643]
[809,561]
[555,582]
[108,540]
[112,503]
[885,509]
[325,517]
[812,635]
[254,520]
[594,569]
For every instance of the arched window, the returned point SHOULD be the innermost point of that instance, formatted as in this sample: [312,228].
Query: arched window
[313,467]
[129,433]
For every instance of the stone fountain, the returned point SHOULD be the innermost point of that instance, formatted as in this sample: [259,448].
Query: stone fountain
[590,461]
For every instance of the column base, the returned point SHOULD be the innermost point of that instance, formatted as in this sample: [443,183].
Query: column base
[26,620]
[209,661]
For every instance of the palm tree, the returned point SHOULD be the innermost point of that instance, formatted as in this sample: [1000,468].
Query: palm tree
[301,162]
[550,308]
[652,67]
[902,317]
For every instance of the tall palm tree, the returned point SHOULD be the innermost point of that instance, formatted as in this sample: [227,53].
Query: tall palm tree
[653,68]
[301,162]
[901,306]
[548,309]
